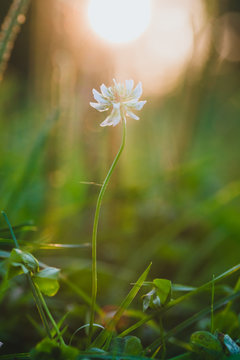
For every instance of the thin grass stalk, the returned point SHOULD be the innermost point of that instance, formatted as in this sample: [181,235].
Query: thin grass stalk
[30,165]
[31,283]
[95,228]
[81,294]
[163,343]
[180,327]
[39,299]
[78,291]
[229,304]
[105,336]
[39,306]
[60,338]
[9,30]
[212,307]
[179,300]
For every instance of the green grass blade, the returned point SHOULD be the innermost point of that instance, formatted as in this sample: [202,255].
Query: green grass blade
[63,246]
[4,284]
[59,324]
[40,330]
[128,300]
[22,356]
[86,356]
[10,29]
[4,254]
[186,356]
[6,234]
[8,242]
[82,294]
[31,163]
[192,320]
[212,306]
[180,299]
[106,334]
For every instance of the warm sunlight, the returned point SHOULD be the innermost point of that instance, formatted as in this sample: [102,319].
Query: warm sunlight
[125,195]
[159,57]
[119,21]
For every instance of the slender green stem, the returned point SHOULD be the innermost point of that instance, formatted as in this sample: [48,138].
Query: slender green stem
[60,338]
[39,306]
[95,228]
[81,294]
[162,339]
[212,306]
[229,304]
[35,295]
[11,230]
[179,300]
[40,302]
[3,286]
[193,319]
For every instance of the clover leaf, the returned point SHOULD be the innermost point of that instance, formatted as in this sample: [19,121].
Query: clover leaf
[47,280]
[20,262]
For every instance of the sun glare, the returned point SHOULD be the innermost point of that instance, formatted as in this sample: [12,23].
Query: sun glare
[119,21]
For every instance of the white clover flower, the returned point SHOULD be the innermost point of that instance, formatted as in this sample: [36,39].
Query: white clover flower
[122,98]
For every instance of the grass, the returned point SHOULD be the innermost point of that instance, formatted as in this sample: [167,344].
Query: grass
[9,30]
[176,206]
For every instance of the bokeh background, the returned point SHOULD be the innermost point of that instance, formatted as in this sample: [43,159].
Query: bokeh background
[174,197]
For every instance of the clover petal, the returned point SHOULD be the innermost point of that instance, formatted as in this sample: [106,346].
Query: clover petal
[129,86]
[137,92]
[114,118]
[105,91]
[99,107]
[139,105]
[132,115]
[122,98]
[99,98]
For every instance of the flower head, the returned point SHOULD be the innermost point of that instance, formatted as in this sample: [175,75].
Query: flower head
[121,98]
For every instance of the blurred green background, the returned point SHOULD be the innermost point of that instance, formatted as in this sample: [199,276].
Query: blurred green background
[174,197]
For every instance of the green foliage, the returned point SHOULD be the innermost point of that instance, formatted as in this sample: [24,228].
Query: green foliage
[159,295]
[175,202]
[96,351]
[232,357]
[51,350]
[47,280]
[18,356]
[128,345]
[231,346]
[106,335]
[164,290]
[227,321]
[205,342]
[213,347]
[20,262]
[151,299]
[5,234]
